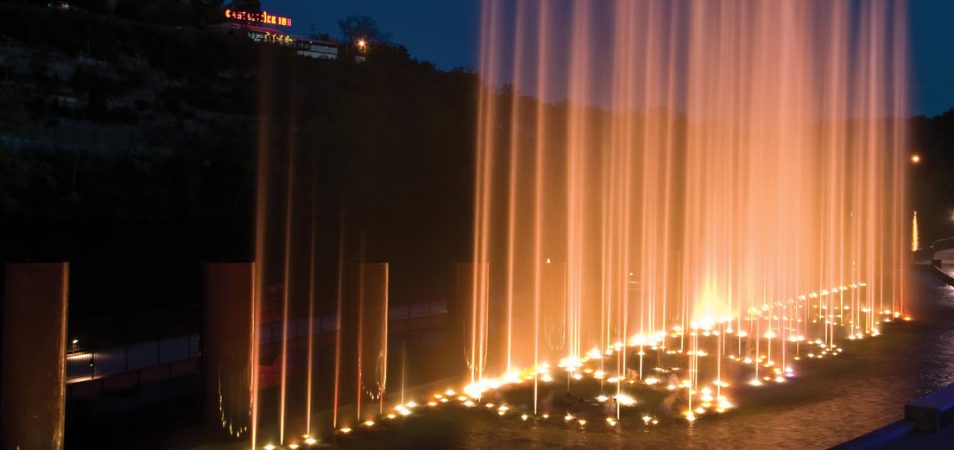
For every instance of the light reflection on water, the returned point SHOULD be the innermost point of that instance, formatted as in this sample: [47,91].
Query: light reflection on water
[833,401]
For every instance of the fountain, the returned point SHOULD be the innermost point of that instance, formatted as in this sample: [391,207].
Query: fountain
[715,187]
[674,201]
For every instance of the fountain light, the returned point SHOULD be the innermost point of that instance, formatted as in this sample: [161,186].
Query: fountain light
[625,400]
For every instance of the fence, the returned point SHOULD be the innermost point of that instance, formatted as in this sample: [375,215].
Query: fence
[91,365]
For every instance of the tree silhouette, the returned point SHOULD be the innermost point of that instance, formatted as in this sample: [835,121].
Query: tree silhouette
[246,5]
[354,28]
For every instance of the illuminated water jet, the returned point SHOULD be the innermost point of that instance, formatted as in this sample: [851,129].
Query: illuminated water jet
[725,175]
[674,199]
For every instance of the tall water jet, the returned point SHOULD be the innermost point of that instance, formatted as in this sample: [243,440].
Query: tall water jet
[915,245]
[721,177]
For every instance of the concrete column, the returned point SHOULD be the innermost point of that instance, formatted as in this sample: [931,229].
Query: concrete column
[226,346]
[372,334]
[33,398]
[470,313]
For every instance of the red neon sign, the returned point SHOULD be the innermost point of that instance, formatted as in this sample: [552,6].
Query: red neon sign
[261,18]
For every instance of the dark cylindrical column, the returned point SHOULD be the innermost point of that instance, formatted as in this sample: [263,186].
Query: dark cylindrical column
[226,346]
[469,312]
[373,332]
[33,398]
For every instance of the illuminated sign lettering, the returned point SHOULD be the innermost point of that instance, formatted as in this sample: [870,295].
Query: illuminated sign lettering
[261,18]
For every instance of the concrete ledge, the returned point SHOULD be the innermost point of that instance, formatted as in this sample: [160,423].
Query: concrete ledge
[923,416]
[933,411]
[944,276]
[880,437]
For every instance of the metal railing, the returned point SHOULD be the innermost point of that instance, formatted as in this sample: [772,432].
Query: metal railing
[90,365]
[272,332]
[95,364]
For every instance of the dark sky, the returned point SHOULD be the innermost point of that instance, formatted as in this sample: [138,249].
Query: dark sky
[445,33]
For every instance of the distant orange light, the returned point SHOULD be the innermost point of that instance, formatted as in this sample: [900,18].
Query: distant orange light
[915,158]
[362,43]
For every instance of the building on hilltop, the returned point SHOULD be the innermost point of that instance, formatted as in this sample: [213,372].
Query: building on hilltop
[255,25]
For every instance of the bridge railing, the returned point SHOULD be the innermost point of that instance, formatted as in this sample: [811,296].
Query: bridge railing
[90,365]
[95,364]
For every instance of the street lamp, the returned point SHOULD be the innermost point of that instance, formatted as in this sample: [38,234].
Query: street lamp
[915,158]
[362,45]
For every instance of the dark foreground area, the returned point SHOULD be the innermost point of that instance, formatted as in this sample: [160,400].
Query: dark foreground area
[830,402]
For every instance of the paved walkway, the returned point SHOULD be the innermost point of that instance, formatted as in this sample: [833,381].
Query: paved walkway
[943,439]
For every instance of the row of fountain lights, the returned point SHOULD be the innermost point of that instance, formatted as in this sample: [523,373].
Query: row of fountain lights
[711,399]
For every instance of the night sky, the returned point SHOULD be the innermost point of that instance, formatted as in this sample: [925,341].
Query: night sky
[445,33]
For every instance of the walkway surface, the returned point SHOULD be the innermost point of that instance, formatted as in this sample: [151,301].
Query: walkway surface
[943,439]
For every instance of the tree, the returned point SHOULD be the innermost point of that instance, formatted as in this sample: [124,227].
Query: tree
[12,112]
[246,5]
[208,11]
[355,28]
[315,34]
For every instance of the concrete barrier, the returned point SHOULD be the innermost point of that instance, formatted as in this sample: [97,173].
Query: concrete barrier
[928,414]
[879,438]
[933,411]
